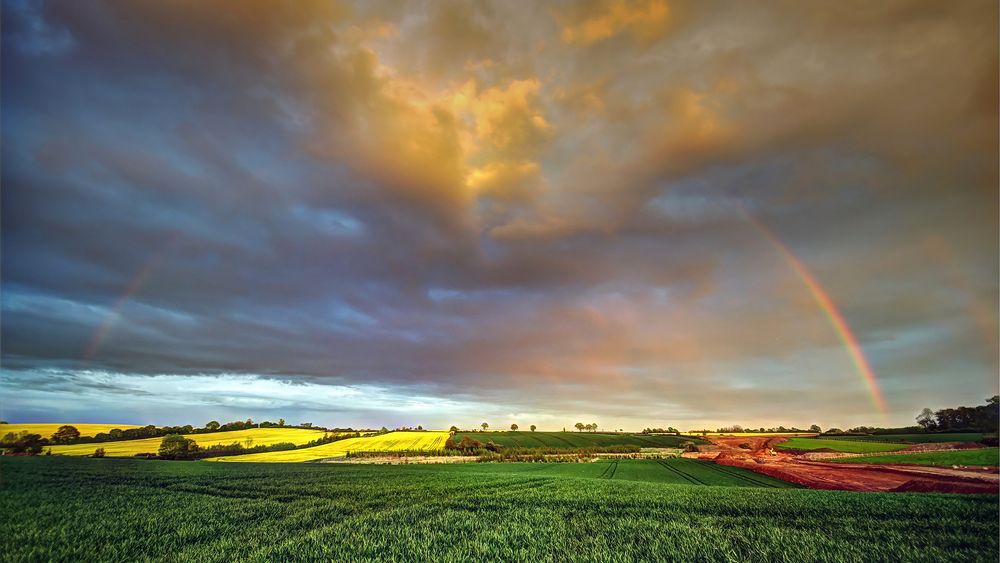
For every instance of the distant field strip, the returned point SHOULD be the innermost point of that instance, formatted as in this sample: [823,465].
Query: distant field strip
[846,446]
[393,441]
[46,430]
[576,439]
[913,438]
[676,471]
[982,456]
[257,437]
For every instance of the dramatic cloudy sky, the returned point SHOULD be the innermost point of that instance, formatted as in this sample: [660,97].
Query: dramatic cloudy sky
[442,212]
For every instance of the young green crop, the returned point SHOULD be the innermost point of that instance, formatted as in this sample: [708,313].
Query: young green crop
[928,438]
[846,446]
[81,509]
[977,457]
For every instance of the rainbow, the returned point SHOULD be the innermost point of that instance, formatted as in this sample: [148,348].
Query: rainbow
[133,285]
[830,309]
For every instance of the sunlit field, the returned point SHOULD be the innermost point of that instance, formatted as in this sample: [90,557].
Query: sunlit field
[46,430]
[926,438]
[247,438]
[392,442]
[845,446]
[577,439]
[128,510]
[975,457]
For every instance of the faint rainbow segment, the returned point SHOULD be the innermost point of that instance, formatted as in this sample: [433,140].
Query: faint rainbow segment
[133,286]
[829,308]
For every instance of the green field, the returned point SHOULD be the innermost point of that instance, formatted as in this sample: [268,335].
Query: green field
[981,456]
[677,471]
[912,438]
[847,446]
[576,439]
[61,508]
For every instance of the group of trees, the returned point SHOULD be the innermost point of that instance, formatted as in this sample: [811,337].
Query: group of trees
[486,426]
[667,430]
[580,427]
[470,446]
[983,418]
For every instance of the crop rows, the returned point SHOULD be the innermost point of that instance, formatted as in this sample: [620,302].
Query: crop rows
[116,509]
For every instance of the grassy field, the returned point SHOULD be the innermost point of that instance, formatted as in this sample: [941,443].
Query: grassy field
[846,446]
[259,437]
[393,441]
[677,471]
[576,439]
[117,509]
[982,456]
[913,438]
[46,430]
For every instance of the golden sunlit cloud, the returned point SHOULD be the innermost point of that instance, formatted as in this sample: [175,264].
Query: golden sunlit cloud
[644,21]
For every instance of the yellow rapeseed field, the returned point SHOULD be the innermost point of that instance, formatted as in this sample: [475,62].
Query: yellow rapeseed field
[391,442]
[259,436]
[46,430]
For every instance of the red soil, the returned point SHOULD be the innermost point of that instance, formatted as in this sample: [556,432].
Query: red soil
[763,458]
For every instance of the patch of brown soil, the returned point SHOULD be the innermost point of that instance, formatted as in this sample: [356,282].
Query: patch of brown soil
[833,476]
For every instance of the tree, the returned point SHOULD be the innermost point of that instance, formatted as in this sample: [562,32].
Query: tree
[175,446]
[579,426]
[532,427]
[281,422]
[815,428]
[485,425]
[453,429]
[305,425]
[99,452]
[513,427]
[593,427]
[23,443]
[420,427]
[212,425]
[926,419]
[65,434]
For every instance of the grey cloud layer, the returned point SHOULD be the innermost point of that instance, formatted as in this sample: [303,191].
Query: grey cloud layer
[536,208]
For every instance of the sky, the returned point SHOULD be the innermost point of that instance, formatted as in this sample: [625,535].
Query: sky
[651,213]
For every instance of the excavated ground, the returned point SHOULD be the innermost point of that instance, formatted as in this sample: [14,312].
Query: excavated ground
[757,453]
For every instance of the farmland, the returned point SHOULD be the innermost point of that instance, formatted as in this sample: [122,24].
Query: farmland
[391,442]
[116,509]
[252,436]
[929,438]
[46,430]
[677,471]
[847,446]
[981,457]
[576,439]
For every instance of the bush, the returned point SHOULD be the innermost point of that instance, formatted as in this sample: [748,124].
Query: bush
[175,446]
[99,452]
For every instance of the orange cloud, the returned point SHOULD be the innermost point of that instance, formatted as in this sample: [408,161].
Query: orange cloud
[644,21]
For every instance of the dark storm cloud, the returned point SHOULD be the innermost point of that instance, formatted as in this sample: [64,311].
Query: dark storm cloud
[502,205]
